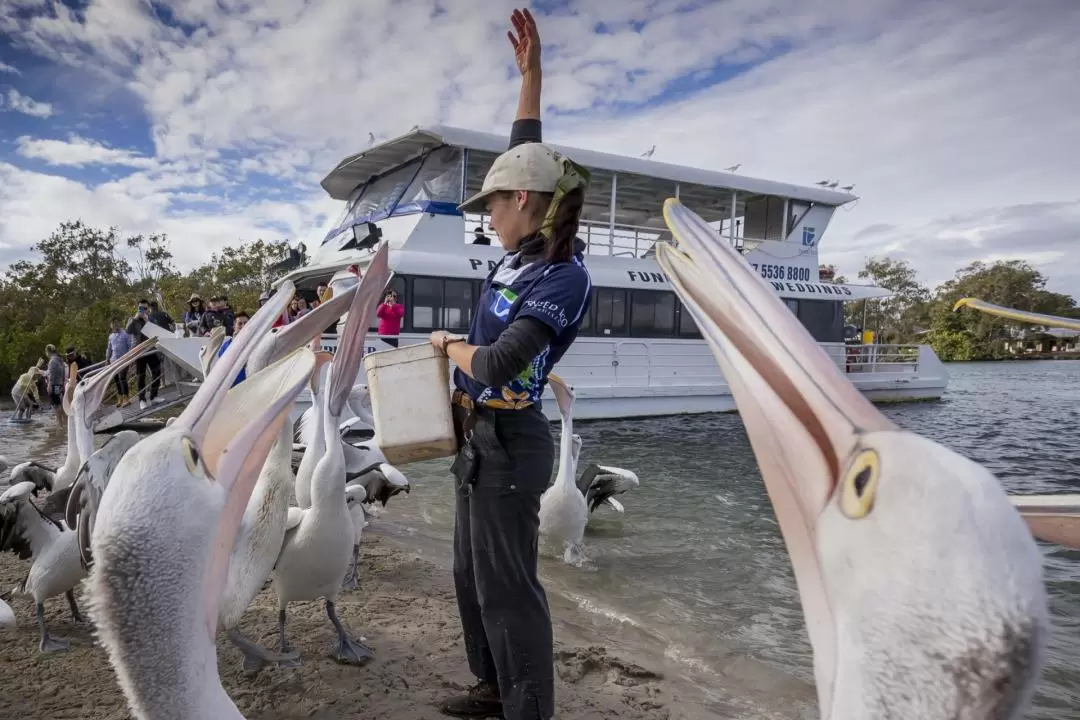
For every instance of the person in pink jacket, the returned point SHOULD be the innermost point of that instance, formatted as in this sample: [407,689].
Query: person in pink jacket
[390,314]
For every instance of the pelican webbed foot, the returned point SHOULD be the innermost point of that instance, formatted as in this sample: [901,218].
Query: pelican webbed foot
[351,582]
[76,616]
[349,650]
[256,656]
[48,644]
[284,648]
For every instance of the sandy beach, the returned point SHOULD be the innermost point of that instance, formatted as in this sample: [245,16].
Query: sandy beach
[405,608]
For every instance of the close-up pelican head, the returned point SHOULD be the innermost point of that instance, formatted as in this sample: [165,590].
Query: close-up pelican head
[921,586]
[167,523]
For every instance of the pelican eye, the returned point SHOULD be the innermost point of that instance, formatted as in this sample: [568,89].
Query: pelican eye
[192,458]
[860,485]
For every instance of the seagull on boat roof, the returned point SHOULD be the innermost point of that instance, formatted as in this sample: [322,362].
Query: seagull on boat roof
[371,139]
[822,182]
[921,585]
[849,188]
[167,523]
[648,153]
[833,184]
[733,168]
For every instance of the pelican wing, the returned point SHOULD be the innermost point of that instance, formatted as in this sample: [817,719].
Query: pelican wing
[600,483]
[1051,321]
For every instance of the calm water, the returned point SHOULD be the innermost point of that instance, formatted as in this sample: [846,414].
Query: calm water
[696,569]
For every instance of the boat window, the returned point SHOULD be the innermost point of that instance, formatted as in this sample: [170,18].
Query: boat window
[425,303]
[586,327]
[380,196]
[687,327]
[652,313]
[458,302]
[438,304]
[439,180]
[792,305]
[610,311]
[764,218]
[823,318]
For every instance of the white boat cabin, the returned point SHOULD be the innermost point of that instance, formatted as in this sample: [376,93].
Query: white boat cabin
[638,353]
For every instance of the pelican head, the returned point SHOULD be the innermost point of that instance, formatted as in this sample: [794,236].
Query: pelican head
[921,585]
[87,394]
[167,523]
[208,352]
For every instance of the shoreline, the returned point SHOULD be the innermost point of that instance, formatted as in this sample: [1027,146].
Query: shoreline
[406,609]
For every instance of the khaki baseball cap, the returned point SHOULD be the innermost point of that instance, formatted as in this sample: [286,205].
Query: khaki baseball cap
[532,166]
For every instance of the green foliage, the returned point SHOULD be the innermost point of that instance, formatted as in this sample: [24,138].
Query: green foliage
[83,277]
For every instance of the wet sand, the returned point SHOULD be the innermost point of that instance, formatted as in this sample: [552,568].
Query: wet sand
[405,608]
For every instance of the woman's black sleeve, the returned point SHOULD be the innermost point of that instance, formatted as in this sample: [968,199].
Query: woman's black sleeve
[497,364]
[526,130]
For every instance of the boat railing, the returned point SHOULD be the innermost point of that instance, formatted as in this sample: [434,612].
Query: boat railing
[874,358]
[619,239]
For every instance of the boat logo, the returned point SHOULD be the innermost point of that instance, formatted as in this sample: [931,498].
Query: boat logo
[809,234]
[503,301]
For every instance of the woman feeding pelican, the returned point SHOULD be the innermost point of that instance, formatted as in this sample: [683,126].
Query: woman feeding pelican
[527,316]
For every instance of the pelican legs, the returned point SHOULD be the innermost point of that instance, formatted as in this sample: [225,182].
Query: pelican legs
[349,651]
[284,644]
[255,656]
[350,581]
[76,616]
[48,644]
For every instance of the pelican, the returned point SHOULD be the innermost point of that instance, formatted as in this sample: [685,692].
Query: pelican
[55,568]
[921,586]
[262,529]
[7,617]
[167,524]
[82,398]
[601,483]
[378,483]
[318,544]
[34,472]
[1053,518]
[89,486]
[208,352]
[563,511]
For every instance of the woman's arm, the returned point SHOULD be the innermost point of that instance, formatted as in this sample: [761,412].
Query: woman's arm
[497,364]
[399,311]
[526,44]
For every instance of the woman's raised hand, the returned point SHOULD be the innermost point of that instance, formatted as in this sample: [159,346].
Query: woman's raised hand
[526,42]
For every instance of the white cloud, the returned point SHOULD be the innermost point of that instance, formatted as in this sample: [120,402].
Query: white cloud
[78,151]
[26,105]
[5,68]
[956,120]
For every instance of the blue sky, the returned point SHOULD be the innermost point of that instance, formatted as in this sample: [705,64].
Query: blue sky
[213,120]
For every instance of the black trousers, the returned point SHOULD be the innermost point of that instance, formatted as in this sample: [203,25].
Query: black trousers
[121,380]
[503,607]
[148,365]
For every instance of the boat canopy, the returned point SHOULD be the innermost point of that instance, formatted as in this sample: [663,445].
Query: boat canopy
[640,184]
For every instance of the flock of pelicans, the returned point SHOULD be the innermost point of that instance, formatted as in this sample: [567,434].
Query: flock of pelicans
[921,584]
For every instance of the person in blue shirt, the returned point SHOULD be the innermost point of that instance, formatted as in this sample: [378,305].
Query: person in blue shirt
[239,321]
[527,316]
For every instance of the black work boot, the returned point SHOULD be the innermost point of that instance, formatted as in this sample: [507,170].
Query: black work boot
[481,701]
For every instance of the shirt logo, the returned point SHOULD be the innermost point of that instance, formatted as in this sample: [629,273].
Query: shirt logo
[502,302]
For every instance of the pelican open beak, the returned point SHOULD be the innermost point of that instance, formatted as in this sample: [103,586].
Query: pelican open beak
[801,414]
[89,393]
[235,428]
[1053,518]
[564,395]
[310,327]
[351,346]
